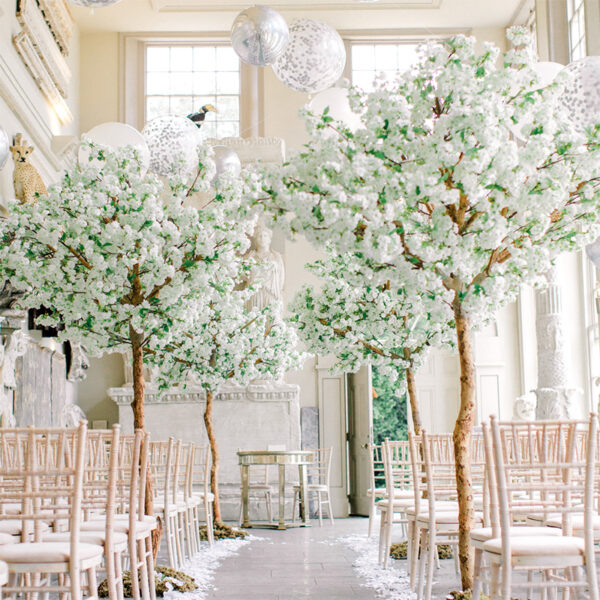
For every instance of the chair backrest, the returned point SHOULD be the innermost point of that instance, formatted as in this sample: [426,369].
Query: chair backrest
[42,472]
[320,470]
[198,472]
[540,470]
[397,467]
[377,469]
[164,465]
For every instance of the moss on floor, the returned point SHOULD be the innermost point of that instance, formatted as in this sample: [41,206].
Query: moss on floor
[399,551]
[223,532]
[165,579]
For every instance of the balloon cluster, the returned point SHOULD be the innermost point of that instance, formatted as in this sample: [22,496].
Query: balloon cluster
[308,56]
[166,146]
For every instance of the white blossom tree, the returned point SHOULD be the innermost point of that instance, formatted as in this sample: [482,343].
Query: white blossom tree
[365,317]
[435,189]
[237,345]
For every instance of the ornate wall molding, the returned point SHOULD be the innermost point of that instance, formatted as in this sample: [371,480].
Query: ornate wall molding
[36,28]
[60,21]
[268,392]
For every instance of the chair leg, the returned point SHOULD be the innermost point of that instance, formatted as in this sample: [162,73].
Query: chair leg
[296,493]
[414,554]
[421,578]
[134,565]
[431,556]
[382,524]
[329,508]
[209,522]
[75,581]
[320,509]
[506,581]
[150,567]
[371,515]
[92,582]
[478,554]
[388,537]
[144,573]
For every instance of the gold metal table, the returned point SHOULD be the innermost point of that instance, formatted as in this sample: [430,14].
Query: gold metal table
[281,458]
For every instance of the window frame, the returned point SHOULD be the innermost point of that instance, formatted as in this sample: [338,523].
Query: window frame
[132,88]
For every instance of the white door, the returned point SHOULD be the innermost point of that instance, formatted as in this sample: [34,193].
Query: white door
[360,434]
[332,431]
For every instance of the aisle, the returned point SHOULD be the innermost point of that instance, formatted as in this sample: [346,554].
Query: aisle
[294,564]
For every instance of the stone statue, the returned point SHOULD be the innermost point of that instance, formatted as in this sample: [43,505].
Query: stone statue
[17,346]
[524,407]
[71,415]
[80,363]
[28,182]
[269,271]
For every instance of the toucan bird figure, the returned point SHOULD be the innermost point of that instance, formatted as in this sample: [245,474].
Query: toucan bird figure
[198,117]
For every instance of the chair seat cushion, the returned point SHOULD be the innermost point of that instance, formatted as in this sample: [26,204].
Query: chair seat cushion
[97,538]
[46,552]
[398,493]
[6,538]
[576,522]
[446,517]
[539,545]
[402,504]
[483,534]
[13,526]
[143,528]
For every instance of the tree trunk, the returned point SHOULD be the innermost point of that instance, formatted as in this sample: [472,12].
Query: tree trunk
[214,450]
[414,405]
[463,431]
[137,406]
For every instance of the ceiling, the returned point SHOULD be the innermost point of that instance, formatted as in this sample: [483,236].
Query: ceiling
[217,15]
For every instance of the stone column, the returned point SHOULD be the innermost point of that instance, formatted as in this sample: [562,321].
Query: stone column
[553,397]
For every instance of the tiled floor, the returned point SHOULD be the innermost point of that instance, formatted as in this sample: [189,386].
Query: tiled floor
[294,564]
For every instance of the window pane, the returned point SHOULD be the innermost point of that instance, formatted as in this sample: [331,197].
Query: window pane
[363,79]
[181,83]
[157,83]
[228,83]
[181,58]
[157,58]
[204,83]
[156,106]
[229,108]
[227,59]
[191,76]
[363,57]
[227,129]
[386,57]
[181,105]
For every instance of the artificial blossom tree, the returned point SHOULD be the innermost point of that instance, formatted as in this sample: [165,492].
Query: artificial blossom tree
[238,345]
[123,263]
[370,320]
[435,190]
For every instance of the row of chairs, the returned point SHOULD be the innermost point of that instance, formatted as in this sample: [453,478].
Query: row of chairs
[182,498]
[73,501]
[534,488]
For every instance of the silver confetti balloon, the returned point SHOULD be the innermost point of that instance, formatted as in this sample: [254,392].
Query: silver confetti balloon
[94,3]
[314,58]
[226,161]
[259,35]
[582,93]
[173,143]
[4,147]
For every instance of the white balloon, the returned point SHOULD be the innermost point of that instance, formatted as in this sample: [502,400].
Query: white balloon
[226,161]
[115,136]
[582,92]
[173,143]
[339,107]
[314,58]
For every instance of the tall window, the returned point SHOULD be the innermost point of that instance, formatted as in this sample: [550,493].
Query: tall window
[181,79]
[576,20]
[383,59]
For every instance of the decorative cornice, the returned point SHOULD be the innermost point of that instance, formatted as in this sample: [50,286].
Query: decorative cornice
[259,392]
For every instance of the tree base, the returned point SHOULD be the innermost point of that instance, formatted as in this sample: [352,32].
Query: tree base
[400,551]
[165,579]
[223,532]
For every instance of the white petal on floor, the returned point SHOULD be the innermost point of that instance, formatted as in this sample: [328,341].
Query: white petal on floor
[391,583]
[203,565]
